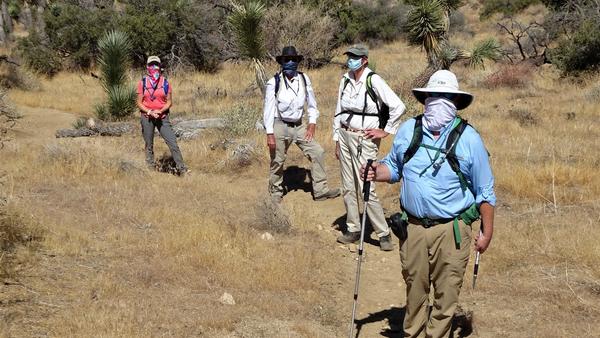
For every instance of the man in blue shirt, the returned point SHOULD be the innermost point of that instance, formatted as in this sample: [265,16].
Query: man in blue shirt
[446,186]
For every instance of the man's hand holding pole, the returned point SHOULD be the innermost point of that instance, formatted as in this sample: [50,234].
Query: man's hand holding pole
[483,239]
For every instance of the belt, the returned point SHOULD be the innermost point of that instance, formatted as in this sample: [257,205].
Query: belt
[428,222]
[345,127]
[291,124]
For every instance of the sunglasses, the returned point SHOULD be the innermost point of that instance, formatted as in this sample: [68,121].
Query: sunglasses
[286,59]
[449,96]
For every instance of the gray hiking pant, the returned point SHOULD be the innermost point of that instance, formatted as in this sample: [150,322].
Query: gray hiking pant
[166,131]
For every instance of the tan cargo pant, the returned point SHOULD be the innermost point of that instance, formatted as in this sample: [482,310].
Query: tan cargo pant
[355,150]
[430,258]
[285,135]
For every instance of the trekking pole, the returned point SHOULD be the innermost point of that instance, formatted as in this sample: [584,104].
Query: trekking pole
[366,193]
[476,266]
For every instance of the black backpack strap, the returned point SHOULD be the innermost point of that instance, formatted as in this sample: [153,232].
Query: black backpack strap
[277,83]
[370,90]
[416,140]
[451,151]
[346,82]
[143,85]
[383,111]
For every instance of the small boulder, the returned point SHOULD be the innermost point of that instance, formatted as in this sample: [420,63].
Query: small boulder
[90,123]
[227,299]
[267,236]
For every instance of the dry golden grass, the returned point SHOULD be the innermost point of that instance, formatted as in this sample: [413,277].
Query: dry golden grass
[137,253]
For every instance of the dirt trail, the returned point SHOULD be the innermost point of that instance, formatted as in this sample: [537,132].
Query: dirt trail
[39,125]
[381,294]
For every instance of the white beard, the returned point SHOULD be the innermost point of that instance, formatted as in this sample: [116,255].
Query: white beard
[438,113]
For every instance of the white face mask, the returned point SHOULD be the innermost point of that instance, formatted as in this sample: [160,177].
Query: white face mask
[438,113]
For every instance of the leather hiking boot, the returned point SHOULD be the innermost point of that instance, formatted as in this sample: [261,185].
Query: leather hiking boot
[385,243]
[332,193]
[349,237]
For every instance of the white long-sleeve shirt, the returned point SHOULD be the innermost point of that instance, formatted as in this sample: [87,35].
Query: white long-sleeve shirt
[353,99]
[288,104]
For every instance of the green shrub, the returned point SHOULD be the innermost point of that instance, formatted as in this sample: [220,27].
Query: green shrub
[170,29]
[178,36]
[38,57]
[74,32]
[371,20]
[581,51]
[506,7]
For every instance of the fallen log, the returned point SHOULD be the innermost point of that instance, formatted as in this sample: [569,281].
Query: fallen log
[102,129]
[184,129]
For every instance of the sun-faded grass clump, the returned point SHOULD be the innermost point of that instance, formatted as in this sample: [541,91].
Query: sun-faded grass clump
[241,119]
[240,155]
[510,76]
[12,76]
[15,232]
[524,117]
[311,32]
[593,94]
[271,217]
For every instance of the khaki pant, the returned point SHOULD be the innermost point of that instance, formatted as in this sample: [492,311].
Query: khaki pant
[355,150]
[285,135]
[430,258]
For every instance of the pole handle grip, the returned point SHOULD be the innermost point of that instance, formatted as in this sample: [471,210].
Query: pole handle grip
[367,184]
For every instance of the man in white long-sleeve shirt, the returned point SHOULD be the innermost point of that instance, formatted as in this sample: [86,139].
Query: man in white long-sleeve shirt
[367,111]
[286,94]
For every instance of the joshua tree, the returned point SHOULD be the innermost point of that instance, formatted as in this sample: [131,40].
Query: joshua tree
[428,25]
[115,48]
[245,21]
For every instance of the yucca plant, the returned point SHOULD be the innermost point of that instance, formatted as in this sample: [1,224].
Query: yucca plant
[114,61]
[428,25]
[245,21]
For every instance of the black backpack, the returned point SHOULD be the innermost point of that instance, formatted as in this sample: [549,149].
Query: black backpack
[450,150]
[383,112]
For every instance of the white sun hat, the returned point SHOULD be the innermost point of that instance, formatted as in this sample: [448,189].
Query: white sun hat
[444,81]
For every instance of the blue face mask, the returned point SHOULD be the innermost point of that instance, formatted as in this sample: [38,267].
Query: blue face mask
[354,64]
[290,68]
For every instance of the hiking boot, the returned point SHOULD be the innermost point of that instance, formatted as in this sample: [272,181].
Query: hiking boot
[349,237]
[183,172]
[385,243]
[332,193]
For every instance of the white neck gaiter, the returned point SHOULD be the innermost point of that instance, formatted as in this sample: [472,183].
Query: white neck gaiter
[438,113]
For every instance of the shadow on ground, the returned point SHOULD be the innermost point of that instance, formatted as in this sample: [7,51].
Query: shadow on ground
[462,323]
[394,317]
[296,178]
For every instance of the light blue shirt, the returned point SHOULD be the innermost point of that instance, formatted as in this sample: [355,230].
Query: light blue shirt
[437,193]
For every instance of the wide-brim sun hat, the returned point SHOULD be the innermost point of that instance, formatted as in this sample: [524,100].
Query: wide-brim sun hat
[289,52]
[153,59]
[444,81]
